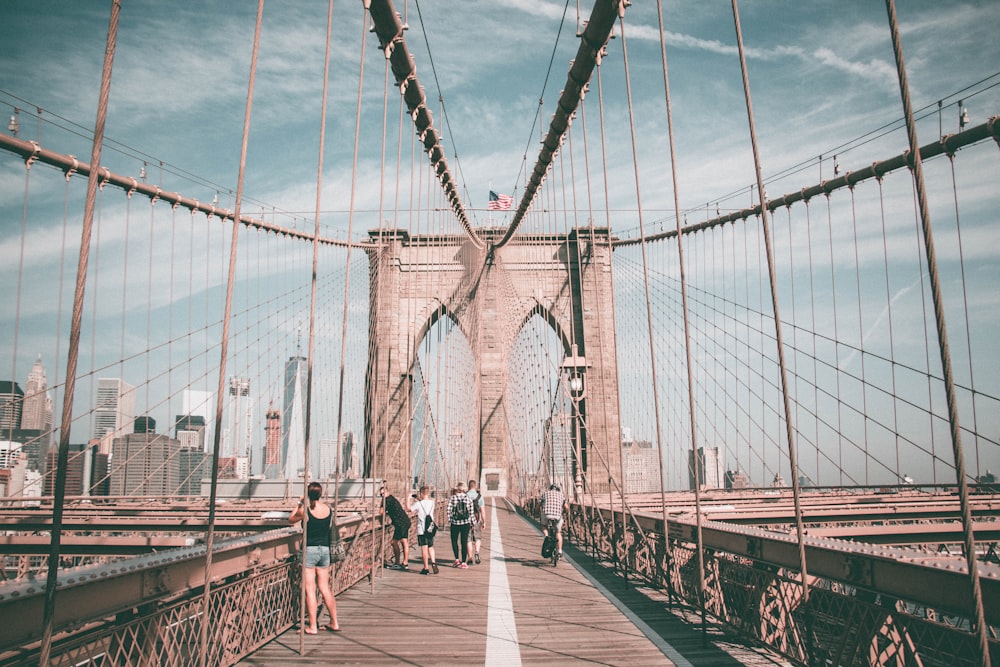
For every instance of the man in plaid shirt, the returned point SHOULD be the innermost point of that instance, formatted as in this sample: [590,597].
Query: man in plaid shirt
[553,504]
[461,514]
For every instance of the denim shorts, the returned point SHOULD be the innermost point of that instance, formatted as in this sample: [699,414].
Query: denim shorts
[316,556]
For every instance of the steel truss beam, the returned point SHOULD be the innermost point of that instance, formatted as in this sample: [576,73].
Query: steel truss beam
[907,574]
[91,545]
[88,594]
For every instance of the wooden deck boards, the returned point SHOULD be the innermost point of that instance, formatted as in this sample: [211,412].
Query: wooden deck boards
[561,617]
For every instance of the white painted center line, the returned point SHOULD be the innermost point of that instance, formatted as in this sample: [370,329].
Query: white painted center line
[502,649]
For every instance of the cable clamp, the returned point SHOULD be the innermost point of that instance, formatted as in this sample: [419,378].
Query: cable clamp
[30,160]
[72,170]
[993,125]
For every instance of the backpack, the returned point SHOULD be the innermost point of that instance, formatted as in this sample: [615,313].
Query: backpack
[429,526]
[461,511]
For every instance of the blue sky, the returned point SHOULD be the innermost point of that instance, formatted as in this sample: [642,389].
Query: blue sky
[822,78]
[821,75]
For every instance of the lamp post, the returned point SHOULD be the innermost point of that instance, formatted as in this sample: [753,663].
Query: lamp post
[575,366]
[13,126]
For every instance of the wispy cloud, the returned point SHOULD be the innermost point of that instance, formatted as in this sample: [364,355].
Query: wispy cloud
[880,72]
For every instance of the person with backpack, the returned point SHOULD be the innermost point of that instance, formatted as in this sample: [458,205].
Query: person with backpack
[423,505]
[461,514]
[476,529]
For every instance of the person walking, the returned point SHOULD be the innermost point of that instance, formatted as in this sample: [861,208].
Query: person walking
[423,505]
[316,556]
[400,529]
[461,514]
[476,529]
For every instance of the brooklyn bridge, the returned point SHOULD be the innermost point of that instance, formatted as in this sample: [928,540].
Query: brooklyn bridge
[742,310]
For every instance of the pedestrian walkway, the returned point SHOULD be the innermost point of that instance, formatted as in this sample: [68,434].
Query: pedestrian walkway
[513,609]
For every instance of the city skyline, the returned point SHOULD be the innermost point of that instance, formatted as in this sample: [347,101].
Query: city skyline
[115,419]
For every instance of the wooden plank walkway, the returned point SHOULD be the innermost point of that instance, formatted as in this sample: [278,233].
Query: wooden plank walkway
[513,609]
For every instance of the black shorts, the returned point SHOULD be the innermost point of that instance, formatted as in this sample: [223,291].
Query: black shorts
[400,531]
[425,540]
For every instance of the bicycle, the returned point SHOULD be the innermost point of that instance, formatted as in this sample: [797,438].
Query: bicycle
[551,544]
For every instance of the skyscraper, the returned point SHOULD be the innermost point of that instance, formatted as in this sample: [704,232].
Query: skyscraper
[327,457]
[194,466]
[272,444]
[239,420]
[190,431]
[114,413]
[293,443]
[78,471]
[145,464]
[11,403]
[710,473]
[737,479]
[641,466]
[37,412]
[196,403]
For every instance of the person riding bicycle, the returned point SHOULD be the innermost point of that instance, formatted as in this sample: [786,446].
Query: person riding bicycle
[553,505]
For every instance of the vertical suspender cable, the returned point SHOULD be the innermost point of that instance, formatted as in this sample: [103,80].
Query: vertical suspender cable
[312,331]
[965,306]
[206,607]
[347,270]
[813,327]
[684,306]
[590,216]
[766,230]
[20,276]
[645,274]
[384,434]
[864,380]
[607,201]
[916,165]
[62,456]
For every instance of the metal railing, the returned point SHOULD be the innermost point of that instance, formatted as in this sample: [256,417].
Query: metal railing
[868,605]
[147,610]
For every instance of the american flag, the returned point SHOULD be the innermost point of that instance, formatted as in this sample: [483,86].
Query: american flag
[500,202]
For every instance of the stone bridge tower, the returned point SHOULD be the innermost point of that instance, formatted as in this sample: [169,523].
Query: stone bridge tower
[491,293]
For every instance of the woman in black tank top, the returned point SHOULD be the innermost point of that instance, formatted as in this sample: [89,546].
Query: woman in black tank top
[316,556]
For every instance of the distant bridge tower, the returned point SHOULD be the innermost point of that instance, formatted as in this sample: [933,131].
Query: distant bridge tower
[491,294]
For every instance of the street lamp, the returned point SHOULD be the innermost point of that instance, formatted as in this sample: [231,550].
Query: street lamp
[13,126]
[576,384]
[575,365]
